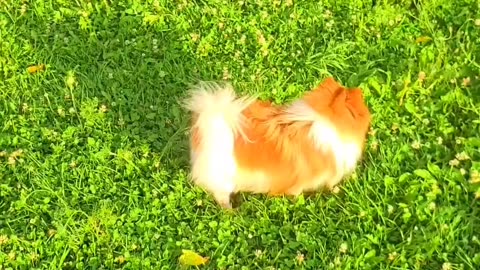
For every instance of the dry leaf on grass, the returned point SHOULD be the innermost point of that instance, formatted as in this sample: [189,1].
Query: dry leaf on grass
[423,39]
[189,257]
[36,68]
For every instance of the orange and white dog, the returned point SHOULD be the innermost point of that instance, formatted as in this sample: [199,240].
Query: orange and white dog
[244,144]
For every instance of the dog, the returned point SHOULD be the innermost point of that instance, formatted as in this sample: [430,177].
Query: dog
[242,144]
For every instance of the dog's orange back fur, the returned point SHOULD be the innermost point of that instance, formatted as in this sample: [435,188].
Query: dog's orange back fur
[284,150]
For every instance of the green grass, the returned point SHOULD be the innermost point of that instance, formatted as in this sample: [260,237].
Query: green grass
[94,173]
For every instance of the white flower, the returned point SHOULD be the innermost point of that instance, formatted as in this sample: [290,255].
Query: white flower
[462,156]
[439,140]
[392,256]
[454,162]
[446,266]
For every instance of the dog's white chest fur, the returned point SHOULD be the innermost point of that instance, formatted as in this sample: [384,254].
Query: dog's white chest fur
[326,137]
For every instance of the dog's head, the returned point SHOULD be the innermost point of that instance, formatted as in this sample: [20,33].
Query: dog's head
[345,108]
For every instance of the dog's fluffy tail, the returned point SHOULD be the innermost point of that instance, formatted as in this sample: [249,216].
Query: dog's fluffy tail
[217,110]
[217,119]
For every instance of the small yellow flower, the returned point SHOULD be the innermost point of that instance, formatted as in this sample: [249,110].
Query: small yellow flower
[25,107]
[264,51]
[258,253]
[34,257]
[61,112]
[11,161]
[416,145]
[261,39]
[343,248]
[12,256]
[327,14]
[392,256]
[300,258]
[374,145]
[17,153]
[23,9]
[195,37]
[466,81]
[103,109]
[474,177]
[3,240]
[395,127]
[120,260]
[421,76]
[243,39]
[336,190]
[226,74]
[52,232]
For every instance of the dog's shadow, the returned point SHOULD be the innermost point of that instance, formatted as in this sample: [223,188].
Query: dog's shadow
[239,198]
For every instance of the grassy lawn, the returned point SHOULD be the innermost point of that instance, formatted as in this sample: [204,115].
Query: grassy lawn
[94,155]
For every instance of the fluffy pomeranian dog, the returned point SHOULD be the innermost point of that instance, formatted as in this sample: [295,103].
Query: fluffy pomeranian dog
[241,144]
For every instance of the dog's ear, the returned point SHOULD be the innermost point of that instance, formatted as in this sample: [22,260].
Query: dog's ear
[356,94]
[339,96]
[325,94]
[355,99]
[329,85]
